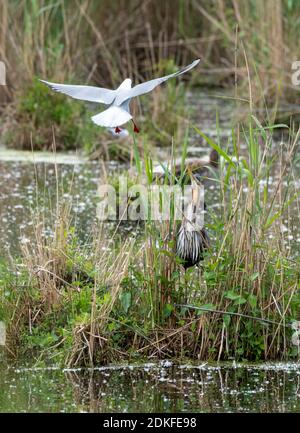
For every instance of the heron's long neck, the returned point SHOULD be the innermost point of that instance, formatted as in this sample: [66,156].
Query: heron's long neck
[193,217]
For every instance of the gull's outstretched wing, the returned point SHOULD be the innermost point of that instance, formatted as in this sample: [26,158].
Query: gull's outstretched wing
[85,93]
[148,86]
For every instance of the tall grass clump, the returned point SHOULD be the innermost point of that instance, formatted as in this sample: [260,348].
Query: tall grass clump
[58,296]
[254,269]
[243,302]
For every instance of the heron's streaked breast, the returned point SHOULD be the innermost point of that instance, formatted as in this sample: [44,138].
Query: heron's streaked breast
[190,245]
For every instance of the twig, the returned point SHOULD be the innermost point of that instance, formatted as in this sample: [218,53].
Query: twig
[230,313]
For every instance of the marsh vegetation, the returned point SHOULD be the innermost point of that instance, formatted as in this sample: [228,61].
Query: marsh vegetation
[79,292]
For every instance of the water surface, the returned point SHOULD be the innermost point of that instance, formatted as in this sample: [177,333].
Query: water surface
[162,387]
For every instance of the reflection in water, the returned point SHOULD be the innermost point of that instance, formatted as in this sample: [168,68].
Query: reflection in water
[153,388]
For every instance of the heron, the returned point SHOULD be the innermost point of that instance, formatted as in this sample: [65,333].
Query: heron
[192,238]
[118,100]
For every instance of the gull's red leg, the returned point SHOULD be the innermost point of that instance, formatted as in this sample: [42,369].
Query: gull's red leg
[118,130]
[135,129]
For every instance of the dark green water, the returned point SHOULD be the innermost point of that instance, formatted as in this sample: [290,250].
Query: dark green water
[160,387]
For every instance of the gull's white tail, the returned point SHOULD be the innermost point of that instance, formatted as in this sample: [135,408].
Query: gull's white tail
[112,117]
